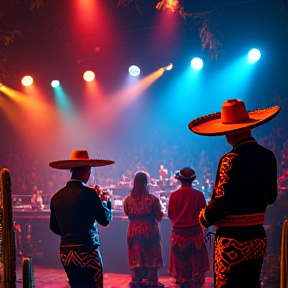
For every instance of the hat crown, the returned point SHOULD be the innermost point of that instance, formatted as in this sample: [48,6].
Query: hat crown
[233,111]
[80,154]
[187,172]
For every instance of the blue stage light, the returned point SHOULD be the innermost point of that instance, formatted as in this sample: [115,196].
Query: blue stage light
[197,63]
[55,83]
[254,55]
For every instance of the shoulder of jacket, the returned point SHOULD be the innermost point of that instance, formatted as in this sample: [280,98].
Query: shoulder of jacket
[228,156]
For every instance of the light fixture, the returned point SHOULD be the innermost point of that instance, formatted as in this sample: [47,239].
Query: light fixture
[27,80]
[168,67]
[197,63]
[89,76]
[254,55]
[134,70]
[55,83]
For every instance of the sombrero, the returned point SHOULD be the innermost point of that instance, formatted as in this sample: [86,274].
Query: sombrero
[186,173]
[233,117]
[79,158]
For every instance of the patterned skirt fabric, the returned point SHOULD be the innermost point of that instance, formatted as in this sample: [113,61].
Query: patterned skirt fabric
[144,245]
[188,258]
[84,269]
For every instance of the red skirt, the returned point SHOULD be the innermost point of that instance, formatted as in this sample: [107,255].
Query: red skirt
[188,257]
[144,245]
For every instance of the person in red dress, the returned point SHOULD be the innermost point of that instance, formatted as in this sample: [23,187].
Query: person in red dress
[143,236]
[188,253]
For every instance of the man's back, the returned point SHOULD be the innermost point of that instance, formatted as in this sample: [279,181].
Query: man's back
[76,208]
[246,183]
[251,183]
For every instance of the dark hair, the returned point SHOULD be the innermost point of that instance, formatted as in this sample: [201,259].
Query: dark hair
[76,169]
[140,184]
[187,180]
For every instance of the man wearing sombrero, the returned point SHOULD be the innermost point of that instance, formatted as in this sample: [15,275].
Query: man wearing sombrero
[239,200]
[75,211]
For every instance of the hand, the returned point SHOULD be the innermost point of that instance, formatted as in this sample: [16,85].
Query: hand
[98,190]
[104,197]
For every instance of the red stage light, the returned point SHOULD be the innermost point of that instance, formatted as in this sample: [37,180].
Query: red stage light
[89,76]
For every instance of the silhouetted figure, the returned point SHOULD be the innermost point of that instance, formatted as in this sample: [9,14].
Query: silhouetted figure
[237,209]
[75,211]
[188,253]
[143,236]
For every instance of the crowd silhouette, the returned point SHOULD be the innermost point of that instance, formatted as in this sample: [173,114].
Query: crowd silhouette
[28,170]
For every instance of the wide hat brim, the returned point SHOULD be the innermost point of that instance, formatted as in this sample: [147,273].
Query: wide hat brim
[70,164]
[211,125]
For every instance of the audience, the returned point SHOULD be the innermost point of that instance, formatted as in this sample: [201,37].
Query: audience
[27,169]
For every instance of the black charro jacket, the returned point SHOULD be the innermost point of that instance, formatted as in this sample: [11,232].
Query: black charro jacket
[75,211]
[246,183]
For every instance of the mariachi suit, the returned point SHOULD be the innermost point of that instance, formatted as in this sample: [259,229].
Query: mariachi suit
[75,211]
[246,183]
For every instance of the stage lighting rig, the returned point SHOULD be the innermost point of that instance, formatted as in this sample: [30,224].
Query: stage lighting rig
[134,70]
[168,67]
[89,76]
[197,63]
[27,80]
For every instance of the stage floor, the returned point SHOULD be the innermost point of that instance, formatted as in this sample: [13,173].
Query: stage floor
[46,277]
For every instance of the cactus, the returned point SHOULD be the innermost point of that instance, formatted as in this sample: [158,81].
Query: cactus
[284,256]
[27,273]
[7,236]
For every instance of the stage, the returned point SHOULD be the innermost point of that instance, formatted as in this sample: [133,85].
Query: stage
[37,241]
[42,245]
[47,277]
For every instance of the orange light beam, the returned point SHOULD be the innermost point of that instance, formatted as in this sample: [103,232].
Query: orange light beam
[117,102]
[28,115]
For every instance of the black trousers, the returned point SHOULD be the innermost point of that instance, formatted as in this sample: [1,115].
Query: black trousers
[84,268]
[238,264]
[244,275]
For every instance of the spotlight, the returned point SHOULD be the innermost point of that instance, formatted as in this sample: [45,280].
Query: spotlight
[254,55]
[168,67]
[27,80]
[89,76]
[134,70]
[55,83]
[197,63]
